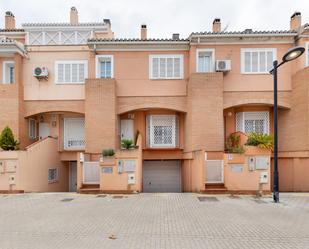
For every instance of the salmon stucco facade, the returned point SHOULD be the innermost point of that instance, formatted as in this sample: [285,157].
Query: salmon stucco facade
[95,113]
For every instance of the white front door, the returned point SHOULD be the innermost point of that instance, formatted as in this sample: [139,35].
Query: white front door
[44,130]
[127,129]
[73,177]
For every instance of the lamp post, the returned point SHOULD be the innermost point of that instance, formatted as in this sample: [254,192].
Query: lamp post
[290,55]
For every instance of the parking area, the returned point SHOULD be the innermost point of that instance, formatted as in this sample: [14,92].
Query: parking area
[173,221]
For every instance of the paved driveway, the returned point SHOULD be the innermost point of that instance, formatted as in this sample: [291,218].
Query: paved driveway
[152,221]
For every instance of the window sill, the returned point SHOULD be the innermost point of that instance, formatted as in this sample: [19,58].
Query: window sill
[157,79]
[73,149]
[163,148]
[263,73]
[52,182]
[69,83]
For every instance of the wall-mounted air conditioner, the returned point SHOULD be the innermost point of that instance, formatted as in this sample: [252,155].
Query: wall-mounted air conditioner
[223,65]
[40,73]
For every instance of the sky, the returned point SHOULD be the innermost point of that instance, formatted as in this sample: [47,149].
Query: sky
[163,17]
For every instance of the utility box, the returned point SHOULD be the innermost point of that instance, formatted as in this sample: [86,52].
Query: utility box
[131,179]
[251,163]
[119,166]
[264,177]
[12,179]
[2,169]
[81,157]
[262,162]
[11,166]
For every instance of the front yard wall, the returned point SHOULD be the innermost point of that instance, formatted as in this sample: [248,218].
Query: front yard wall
[245,180]
[31,172]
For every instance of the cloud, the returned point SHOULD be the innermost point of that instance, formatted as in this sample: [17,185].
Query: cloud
[163,17]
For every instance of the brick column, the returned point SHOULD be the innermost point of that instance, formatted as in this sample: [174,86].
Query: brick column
[204,120]
[100,115]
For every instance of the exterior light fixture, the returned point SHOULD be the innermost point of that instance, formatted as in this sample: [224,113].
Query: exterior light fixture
[290,55]
[293,53]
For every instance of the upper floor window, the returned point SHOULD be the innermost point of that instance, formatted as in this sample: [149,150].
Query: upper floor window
[249,122]
[104,66]
[205,60]
[71,72]
[307,54]
[166,66]
[8,72]
[257,60]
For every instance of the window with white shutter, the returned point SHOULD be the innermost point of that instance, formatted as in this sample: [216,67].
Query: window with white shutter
[205,61]
[104,66]
[166,66]
[249,122]
[71,72]
[257,60]
[8,72]
[74,133]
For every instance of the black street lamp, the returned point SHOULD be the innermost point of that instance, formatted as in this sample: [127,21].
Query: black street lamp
[290,55]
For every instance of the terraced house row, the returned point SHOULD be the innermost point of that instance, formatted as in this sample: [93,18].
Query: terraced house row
[161,110]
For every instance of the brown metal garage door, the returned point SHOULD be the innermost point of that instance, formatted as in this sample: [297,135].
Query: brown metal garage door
[161,176]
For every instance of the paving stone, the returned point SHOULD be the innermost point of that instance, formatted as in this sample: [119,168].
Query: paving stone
[180,221]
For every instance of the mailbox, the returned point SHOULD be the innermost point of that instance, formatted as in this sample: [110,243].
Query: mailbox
[12,179]
[264,177]
[131,179]
[2,170]
[251,163]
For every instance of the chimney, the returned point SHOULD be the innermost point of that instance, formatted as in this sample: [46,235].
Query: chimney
[175,36]
[9,20]
[216,25]
[143,32]
[73,16]
[295,22]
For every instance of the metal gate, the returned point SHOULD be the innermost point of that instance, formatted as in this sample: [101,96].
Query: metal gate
[91,172]
[214,171]
[162,176]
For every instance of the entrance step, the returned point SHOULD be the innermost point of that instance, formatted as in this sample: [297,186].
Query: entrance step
[215,188]
[214,185]
[90,189]
[84,186]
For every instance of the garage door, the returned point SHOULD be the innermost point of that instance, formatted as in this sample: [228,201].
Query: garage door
[161,176]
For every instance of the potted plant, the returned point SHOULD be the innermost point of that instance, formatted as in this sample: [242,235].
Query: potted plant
[127,144]
[7,140]
[262,141]
[233,144]
[108,153]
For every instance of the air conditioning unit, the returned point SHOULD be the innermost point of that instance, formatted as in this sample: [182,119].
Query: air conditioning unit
[223,65]
[40,72]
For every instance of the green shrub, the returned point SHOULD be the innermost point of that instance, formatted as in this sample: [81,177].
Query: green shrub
[260,140]
[7,140]
[233,144]
[127,144]
[108,152]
